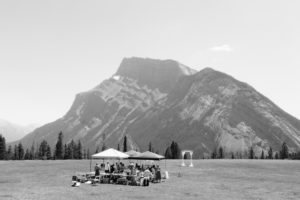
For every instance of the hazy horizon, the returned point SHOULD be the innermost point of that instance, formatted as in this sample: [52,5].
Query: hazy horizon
[50,51]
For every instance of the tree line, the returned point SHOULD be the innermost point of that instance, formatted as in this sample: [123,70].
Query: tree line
[42,151]
[74,150]
[283,153]
[71,150]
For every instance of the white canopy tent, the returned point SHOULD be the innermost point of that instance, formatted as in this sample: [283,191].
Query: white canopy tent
[132,153]
[108,154]
[147,155]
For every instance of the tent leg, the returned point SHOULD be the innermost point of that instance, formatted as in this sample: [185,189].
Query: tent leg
[90,164]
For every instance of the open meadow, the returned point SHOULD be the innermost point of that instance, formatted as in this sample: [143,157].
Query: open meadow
[208,179]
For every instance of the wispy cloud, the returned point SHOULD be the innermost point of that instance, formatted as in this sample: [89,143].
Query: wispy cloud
[222,48]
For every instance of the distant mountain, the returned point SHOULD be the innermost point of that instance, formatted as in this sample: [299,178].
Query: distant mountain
[159,101]
[13,132]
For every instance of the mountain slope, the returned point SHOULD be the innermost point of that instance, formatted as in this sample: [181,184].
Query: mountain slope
[13,132]
[162,100]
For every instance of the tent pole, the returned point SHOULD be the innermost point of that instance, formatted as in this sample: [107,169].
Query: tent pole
[90,164]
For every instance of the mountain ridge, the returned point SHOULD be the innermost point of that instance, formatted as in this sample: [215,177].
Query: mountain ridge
[148,102]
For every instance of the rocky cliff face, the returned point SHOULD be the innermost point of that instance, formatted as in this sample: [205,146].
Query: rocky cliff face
[162,100]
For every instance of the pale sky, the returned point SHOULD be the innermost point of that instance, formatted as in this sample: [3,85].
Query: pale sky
[52,50]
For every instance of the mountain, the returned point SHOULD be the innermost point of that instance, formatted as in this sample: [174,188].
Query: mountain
[159,101]
[13,132]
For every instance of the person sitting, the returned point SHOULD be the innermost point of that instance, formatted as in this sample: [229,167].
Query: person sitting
[141,178]
[134,171]
[112,168]
[121,167]
[147,177]
[117,167]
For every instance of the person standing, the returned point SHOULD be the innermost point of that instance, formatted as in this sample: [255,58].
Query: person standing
[97,170]
[107,167]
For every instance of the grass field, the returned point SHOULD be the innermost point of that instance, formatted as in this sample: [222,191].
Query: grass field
[209,179]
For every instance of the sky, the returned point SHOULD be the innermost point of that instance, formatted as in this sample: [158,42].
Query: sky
[52,50]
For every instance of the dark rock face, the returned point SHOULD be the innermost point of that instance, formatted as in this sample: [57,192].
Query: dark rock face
[159,101]
[160,74]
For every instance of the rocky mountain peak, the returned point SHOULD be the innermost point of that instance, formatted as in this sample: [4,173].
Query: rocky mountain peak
[161,74]
[158,101]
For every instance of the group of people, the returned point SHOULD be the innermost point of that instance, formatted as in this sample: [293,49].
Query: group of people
[107,168]
[134,173]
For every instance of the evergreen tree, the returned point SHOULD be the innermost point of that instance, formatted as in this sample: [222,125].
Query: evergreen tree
[9,154]
[72,149]
[88,154]
[27,155]
[214,154]
[125,144]
[103,147]
[59,147]
[150,147]
[168,153]
[262,156]
[251,153]
[276,155]
[48,152]
[20,151]
[284,153]
[270,153]
[31,153]
[298,155]
[2,148]
[79,150]
[66,152]
[232,155]
[43,150]
[36,154]
[97,150]
[16,153]
[175,150]
[84,154]
[221,153]
[185,156]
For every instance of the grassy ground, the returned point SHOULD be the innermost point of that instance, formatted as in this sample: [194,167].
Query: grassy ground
[209,179]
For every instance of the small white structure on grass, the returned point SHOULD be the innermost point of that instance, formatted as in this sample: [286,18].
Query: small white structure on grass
[191,154]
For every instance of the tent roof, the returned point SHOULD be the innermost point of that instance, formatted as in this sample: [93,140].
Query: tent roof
[147,155]
[132,153]
[110,154]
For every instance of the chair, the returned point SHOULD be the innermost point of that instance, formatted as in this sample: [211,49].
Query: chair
[96,180]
